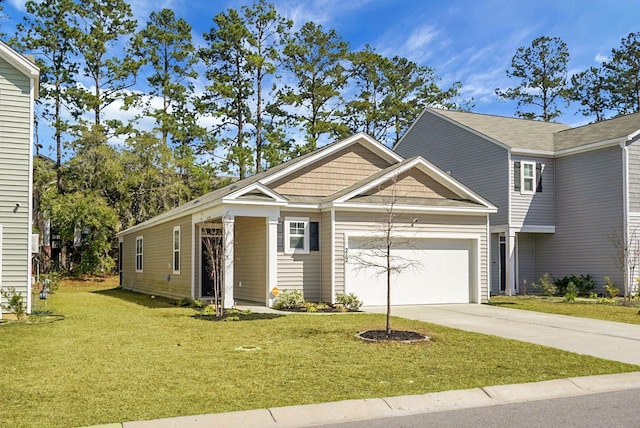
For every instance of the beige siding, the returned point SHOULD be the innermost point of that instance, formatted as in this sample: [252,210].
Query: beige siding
[414,183]
[158,260]
[332,174]
[301,271]
[326,245]
[250,252]
[15,131]
[365,223]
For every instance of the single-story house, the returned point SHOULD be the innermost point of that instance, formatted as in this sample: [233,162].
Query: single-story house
[303,224]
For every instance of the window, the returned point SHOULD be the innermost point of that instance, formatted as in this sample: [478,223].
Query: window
[139,254]
[528,177]
[296,238]
[176,250]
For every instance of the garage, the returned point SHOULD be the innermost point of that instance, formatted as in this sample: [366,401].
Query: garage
[443,272]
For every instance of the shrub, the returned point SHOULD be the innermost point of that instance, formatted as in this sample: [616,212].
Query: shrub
[51,281]
[584,284]
[350,301]
[289,299]
[310,307]
[571,293]
[546,285]
[15,302]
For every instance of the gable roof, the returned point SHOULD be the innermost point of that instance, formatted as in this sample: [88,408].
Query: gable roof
[258,182]
[509,131]
[548,138]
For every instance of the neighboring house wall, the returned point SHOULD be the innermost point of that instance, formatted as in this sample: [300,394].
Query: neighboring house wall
[15,175]
[250,259]
[480,164]
[332,174]
[301,271]
[589,202]
[537,208]
[352,223]
[157,258]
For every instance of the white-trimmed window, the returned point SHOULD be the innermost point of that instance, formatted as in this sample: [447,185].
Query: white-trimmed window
[176,250]
[296,235]
[139,248]
[528,177]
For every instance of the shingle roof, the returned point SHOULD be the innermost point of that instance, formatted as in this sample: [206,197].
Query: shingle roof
[513,132]
[545,136]
[612,129]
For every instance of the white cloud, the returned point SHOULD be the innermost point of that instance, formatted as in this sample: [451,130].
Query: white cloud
[601,58]
[18,4]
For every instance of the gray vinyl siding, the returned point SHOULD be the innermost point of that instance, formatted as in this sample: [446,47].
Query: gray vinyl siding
[537,208]
[250,259]
[634,176]
[326,245]
[478,163]
[526,261]
[157,256]
[350,223]
[589,201]
[15,131]
[301,271]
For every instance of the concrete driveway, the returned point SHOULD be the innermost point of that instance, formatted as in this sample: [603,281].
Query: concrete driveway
[603,339]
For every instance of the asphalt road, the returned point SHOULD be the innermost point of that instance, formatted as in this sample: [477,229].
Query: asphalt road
[612,409]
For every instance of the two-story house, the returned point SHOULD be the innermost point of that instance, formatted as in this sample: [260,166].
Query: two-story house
[18,90]
[566,197]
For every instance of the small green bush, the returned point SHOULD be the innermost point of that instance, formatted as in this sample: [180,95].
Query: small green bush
[289,299]
[310,307]
[546,285]
[15,302]
[51,281]
[350,301]
[571,293]
[584,284]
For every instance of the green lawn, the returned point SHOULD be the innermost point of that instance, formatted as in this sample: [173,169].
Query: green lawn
[120,356]
[587,308]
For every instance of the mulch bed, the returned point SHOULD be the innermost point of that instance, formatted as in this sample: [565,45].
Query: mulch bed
[395,336]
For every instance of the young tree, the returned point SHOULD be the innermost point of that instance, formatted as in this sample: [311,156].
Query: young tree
[541,72]
[46,32]
[380,252]
[627,251]
[314,58]
[623,75]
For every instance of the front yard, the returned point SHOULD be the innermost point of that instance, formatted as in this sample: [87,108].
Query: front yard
[121,356]
[582,307]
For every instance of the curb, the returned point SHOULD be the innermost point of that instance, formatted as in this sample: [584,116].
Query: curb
[373,408]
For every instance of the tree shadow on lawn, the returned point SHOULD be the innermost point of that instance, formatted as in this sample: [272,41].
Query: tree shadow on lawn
[252,316]
[146,300]
[501,303]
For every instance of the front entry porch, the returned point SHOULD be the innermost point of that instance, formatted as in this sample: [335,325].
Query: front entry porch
[237,253]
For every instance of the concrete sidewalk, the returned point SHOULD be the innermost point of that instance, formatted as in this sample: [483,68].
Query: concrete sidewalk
[603,339]
[374,408]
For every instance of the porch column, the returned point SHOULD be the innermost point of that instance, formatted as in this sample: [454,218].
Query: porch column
[272,258]
[510,244]
[228,244]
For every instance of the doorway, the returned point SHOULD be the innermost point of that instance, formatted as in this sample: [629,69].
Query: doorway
[503,264]
[211,266]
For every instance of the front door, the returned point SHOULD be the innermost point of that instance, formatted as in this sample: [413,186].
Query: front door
[211,262]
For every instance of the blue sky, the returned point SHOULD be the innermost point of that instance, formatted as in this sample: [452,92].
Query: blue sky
[463,40]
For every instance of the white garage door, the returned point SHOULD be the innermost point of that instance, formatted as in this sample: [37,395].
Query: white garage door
[441,274]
